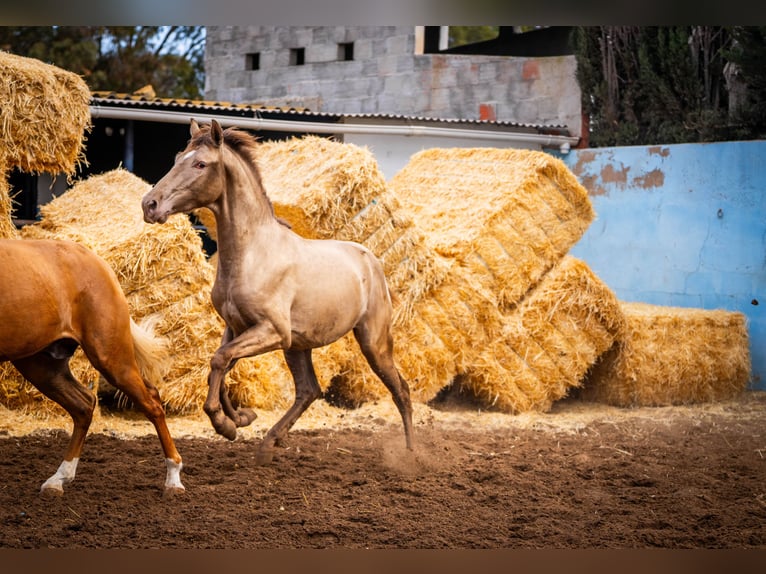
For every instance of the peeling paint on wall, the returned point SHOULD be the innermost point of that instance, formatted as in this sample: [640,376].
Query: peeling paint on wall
[654,178]
[654,241]
[617,176]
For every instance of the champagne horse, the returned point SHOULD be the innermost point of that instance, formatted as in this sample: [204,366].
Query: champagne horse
[56,296]
[275,289]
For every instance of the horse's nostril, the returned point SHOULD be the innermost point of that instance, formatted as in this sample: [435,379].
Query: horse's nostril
[151,204]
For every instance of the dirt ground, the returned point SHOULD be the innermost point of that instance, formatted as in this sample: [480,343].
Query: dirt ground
[582,476]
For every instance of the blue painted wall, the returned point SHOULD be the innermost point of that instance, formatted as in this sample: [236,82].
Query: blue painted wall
[681,225]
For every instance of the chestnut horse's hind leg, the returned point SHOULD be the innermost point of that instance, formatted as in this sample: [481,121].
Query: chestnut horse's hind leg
[145,396]
[114,358]
[54,379]
[307,390]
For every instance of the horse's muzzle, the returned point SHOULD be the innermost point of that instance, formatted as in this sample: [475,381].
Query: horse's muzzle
[151,213]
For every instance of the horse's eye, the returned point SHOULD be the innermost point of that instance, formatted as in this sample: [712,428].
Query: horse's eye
[199,165]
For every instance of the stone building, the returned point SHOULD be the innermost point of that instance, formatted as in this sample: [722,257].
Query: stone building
[402,70]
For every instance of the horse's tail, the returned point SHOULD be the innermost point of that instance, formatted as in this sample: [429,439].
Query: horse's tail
[151,351]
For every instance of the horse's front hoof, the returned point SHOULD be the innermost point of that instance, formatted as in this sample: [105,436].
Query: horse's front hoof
[227,429]
[223,425]
[246,416]
[173,491]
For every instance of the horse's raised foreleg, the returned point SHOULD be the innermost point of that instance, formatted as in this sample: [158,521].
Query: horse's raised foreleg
[307,390]
[257,340]
[377,348]
[242,416]
[54,379]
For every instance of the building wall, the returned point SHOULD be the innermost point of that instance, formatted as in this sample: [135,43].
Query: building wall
[386,76]
[681,225]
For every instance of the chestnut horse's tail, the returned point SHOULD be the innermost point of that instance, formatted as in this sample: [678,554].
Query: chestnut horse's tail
[151,351]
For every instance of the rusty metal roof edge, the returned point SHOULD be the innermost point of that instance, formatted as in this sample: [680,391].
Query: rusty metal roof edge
[112,99]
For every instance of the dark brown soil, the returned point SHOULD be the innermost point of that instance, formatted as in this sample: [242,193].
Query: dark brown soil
[686,482]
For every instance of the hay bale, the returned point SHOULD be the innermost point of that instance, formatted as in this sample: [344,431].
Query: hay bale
[7,228]
[45,114]
[508,215]
[155,264]
[548,342]
[318,184]
[673,356]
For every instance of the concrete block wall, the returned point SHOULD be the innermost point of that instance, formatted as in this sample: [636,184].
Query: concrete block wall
[681,225]
[387,76]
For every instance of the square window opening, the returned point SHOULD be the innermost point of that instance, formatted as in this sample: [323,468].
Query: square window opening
[297,56]
[253,61]
[346,51]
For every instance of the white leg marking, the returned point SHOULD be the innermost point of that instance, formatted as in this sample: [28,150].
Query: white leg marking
[173,477]
[64,475]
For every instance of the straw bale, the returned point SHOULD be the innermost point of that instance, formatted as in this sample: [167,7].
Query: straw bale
[548,342]
[421,356]
[7,228]
[44,118]
[154,263]
[318,184]
[508,215]
[673,356]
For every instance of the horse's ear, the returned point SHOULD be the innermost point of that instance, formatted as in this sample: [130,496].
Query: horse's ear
[216,132]
[194,128]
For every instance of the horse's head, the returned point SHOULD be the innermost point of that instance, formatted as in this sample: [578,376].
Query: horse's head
[195,180]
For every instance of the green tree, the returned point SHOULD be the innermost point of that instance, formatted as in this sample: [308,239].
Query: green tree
[460,35]
[748,76]
[119,58]
[650,85]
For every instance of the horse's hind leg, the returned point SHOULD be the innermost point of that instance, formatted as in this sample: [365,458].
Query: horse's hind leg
[117,363]
[378,349]
[54,379]
[147,398]
[307,390]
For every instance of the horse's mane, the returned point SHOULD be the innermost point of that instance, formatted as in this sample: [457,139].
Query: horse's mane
[245,145]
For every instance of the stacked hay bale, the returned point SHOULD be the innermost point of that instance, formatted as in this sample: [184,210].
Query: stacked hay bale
[505,215]
[529,320]
[474,244]
[166,279]
[549,341]
[463,236]
[45,115]
[671,355]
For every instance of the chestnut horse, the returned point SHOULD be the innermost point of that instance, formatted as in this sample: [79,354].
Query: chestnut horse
[57,295]
[275,289]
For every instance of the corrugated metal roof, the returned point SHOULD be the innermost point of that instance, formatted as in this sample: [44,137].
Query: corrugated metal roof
[145,99]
